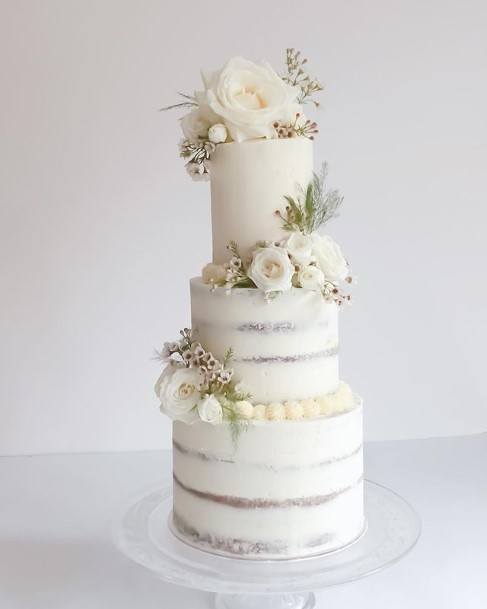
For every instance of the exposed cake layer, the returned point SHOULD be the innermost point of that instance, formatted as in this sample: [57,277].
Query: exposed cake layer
[283,489]
[248,184]
[284,349]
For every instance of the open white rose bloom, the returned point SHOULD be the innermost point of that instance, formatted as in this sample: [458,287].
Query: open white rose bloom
[267,440]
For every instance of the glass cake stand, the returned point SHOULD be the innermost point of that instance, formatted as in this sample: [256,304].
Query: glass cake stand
[143,534]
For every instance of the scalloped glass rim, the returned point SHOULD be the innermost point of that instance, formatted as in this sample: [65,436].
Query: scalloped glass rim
[143,535]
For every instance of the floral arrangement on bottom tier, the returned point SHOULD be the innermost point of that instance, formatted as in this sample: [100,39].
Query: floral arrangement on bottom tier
[196,386]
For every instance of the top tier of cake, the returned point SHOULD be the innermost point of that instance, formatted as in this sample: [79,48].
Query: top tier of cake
[248,183]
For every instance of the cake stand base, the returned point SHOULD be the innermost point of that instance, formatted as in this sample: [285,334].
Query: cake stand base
[279,601]
[142,533]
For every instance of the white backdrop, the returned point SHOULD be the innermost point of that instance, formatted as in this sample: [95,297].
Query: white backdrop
[101,229]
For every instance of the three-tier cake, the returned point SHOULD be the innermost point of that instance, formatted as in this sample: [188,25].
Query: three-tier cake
[267,441]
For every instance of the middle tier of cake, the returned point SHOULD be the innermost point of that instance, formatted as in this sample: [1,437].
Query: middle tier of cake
[284,349]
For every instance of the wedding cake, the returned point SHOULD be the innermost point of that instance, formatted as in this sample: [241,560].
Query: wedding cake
[267,440]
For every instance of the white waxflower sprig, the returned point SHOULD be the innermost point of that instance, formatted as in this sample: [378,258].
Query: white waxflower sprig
[197,155]
[214,374]
[297,76]
[299,127]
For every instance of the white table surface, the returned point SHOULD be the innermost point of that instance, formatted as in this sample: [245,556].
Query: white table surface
[56,551]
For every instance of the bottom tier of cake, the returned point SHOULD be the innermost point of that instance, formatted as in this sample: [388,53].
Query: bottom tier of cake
[280,489]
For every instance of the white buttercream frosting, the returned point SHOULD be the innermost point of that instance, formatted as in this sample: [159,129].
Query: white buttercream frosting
[248,184]
[285,488]
[284,350]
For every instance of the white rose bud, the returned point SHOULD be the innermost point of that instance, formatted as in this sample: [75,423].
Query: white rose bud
[210,410]
[259,412]
[244,409]
[214,273]
[311,278]
[310,408]
[294,410]
[217,133]
[275,412]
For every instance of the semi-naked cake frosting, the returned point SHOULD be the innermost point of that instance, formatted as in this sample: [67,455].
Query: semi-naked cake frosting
[285,349]
[267,440]
[288,489]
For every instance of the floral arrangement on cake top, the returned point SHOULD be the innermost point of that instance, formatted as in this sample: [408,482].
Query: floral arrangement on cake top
[245,100]
[304,259]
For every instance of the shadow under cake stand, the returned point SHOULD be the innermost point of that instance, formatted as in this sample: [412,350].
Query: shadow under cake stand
[143,534]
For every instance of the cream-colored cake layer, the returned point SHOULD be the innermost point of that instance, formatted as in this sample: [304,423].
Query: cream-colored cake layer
[248,183]
[284,349]
[282,489]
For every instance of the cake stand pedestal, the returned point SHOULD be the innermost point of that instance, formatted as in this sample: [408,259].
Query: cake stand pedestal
[142,533]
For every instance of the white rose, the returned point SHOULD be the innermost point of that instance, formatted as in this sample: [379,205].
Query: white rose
[210,410]
[249,97]
[194,126]
[311,278]
[271,270]
[217,133]
[178,390]
[214,273]
[330,258]
[300,248]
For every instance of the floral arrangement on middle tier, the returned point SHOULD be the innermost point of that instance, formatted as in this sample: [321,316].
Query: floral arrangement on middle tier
[304,259]
[196,386]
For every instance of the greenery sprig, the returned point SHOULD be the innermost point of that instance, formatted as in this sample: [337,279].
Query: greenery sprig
[316,207]
[189,101]
[236,269]
[297,76]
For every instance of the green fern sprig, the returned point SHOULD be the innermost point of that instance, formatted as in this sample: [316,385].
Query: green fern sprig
[316,207]
[237,425]
[228,356]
